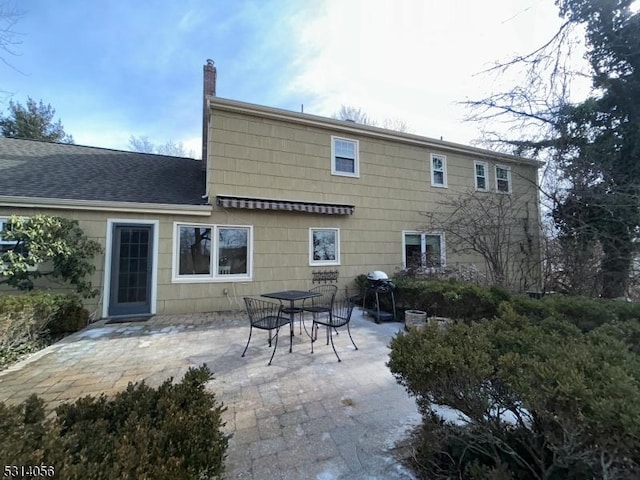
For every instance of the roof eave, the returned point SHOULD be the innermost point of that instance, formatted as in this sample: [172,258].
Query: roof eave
[104,206]
[307,119]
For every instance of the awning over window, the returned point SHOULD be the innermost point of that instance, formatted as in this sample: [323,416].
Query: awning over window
[284,205]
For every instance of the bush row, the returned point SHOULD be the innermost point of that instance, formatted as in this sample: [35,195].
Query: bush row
[449,298]
[173,431]
[469,302]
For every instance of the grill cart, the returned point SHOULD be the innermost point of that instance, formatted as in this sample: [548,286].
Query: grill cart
[378,284]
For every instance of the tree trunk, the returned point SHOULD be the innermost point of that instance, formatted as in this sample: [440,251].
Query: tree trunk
[615,266]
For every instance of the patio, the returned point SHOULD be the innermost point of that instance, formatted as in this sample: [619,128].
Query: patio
[305,416]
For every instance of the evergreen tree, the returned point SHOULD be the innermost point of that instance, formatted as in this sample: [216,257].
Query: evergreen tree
[601,140]
[33,121]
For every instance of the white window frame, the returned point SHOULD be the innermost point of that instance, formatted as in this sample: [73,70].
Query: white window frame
[214,275]
[423,248]
[316,263]
[484,165]
[3,221]
[443,158]
[13,243]
[356,162]
[509,182]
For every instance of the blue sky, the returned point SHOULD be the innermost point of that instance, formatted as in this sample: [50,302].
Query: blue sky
[115,68]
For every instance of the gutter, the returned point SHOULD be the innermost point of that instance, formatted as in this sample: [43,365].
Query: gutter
[102,206]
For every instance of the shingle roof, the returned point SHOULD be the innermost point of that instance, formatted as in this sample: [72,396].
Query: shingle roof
[31,168]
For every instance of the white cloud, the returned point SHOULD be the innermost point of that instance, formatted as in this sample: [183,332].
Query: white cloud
[412,59]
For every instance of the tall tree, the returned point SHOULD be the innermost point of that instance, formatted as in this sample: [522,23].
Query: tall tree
[33,121]
[8,41]
[593,146]
[170,148]
[354,114]
[357,115]
[603,132]
[141,144]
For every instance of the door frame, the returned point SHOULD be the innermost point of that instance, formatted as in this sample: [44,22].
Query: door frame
[106,294]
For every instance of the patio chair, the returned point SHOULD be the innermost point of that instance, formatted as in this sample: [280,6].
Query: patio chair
[266,315]
[319,305]
[340,316]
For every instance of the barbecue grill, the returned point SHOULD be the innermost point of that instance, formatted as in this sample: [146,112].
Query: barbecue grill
[378,283]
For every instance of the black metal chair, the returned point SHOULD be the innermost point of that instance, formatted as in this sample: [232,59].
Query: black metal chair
[319,305]
[265,315]
[339,316]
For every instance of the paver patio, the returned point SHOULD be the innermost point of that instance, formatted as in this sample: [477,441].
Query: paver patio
[305,416]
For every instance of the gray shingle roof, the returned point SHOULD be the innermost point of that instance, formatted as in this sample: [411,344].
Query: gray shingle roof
[31,168]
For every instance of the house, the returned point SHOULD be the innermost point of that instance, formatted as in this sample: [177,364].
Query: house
[280,200]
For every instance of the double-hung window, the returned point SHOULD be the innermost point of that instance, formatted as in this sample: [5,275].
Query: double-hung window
[438,170]
[503,179]
[481,171]
[344,157]
[423,250]
[204,253]
[324,246]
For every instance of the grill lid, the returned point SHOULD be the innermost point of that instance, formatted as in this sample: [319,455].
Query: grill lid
[377,275]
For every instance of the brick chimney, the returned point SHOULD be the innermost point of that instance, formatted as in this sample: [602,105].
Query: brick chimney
[209,89]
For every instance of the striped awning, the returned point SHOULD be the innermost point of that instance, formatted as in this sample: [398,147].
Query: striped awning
[284,205]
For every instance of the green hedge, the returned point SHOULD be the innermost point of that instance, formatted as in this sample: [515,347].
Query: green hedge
[170,432]
[585,313]
[469,302]
[448,298]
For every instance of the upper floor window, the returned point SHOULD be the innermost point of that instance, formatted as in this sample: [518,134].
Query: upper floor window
[344,157]
[481,174]
[438,170]
[423,250]
[211,252]
[503,179]
[324,246]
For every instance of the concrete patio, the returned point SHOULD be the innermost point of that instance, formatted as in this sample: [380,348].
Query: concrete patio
[305,416]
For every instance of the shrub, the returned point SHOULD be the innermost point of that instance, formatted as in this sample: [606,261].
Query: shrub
[449,298]
[170,432]
[70,315]
[24,317]
[539,399]
[585,313]
[26,320]
[50,247]
[470,302]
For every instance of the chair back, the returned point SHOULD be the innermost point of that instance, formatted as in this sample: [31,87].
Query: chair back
[259,310]
[328,295]
[341,312]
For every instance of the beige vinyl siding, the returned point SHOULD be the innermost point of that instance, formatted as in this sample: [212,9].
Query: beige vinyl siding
[287,160]
[255,156]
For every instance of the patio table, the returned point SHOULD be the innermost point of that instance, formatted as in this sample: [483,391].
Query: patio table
[292,296]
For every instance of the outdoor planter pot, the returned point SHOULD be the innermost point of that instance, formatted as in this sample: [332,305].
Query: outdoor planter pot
[441,322]
[415,319]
